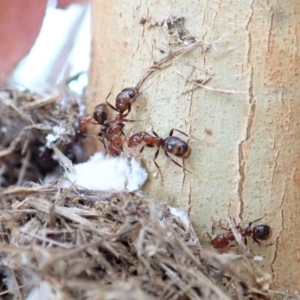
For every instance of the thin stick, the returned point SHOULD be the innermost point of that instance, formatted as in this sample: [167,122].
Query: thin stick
[167,61]
[210,88]
[25,163]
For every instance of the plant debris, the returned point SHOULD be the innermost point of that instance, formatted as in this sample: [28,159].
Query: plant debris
[103,246]
[28,122]
[74,243]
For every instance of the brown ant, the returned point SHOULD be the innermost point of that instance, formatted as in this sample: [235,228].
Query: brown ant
[124,101]
[111,132]
[171,144]
[99,117]
[82,123]
[259,232]
[100,113]
[113,135]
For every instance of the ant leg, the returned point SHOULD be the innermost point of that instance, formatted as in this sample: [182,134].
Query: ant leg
[261,244]
[178,164]
[157,166]
[256,241]
[187,135]
[155,133]
[256,221]
[250,224]
[225,228]
[111,106]
[127,120]
[107,103]
[123,133]
[128,110]
[108,96]
[101,140]
[182,132]
[208,235]
[142,149]
[173,129]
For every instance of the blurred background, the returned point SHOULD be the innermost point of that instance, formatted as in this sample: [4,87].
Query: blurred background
[44,43]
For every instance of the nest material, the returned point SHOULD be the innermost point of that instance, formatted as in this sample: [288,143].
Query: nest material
[95,245]
[26,120]
[120,245]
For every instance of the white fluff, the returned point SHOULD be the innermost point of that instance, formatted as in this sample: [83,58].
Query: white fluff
[41,292]
[181,214]
[106,173]
[57,131]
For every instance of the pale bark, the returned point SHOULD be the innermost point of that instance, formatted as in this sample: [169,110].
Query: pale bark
[249,167]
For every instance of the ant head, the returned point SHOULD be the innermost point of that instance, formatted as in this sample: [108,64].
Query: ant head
[177,147]
[262,232]
[135,140]
[115,146]
[85,120]
[117,142]
[80,125]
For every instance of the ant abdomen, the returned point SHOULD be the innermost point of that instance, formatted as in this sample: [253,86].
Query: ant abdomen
[125,98]
[100,114]
[177,147]
[262,232]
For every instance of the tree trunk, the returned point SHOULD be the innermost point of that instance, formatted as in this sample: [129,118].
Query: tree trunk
[245,110]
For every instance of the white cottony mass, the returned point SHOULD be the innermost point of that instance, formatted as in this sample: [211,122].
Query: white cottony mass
[106,173]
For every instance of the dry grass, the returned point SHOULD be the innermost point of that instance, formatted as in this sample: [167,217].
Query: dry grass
[95,245]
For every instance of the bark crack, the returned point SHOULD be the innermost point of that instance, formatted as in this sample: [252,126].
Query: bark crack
[271,25]
[282,228]
[248,135]
[243,144]
[249,33]
[143,35]
[189,202]
[189,131]
[275,164]
[296,38]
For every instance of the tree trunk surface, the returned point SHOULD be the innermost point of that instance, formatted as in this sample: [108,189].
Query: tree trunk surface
[247,164]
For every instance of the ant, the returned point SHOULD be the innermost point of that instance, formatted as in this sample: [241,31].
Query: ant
[124,101]
[81,124]
[111,131]
[100,113]
[259,232]
[99,117]
[171,144]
